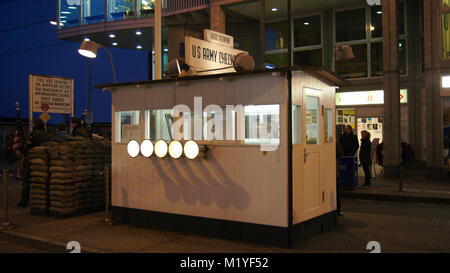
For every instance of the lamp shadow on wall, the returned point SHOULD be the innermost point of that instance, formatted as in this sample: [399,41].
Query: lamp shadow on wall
[206,189]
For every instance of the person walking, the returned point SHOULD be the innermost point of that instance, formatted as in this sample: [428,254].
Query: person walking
[349,141]
[364,156]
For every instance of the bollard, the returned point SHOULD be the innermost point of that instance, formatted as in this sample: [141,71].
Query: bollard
[6,224]
[107,221]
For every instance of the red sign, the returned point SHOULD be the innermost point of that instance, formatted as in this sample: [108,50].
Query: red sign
[45,107]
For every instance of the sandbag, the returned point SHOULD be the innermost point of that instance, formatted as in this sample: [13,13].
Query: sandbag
[61,175]
[39,174]
[38,168]
[38,162]
[38,179]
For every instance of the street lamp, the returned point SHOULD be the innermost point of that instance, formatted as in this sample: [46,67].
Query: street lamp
[89,49]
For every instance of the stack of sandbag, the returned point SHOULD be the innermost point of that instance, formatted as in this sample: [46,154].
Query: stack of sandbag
[38,163]
[64,199]
[83,171]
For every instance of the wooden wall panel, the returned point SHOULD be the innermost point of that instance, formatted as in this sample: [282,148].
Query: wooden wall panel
[236,183]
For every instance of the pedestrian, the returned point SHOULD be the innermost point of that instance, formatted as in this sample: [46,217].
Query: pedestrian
[36,138]
[364,156]
[77,129]
[339,153]
[349,141]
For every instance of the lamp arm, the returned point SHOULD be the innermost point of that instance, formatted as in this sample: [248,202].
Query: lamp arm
[112,64]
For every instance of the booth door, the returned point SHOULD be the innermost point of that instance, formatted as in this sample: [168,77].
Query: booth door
[312,153]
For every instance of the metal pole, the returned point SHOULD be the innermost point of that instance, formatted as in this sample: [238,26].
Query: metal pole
[262,32]
[107,221]
[6,225]
[158,44]
[90,85]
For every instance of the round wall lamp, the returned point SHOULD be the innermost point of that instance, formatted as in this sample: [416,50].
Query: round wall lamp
[175,149]
[147,148]
[191,149]
[133,148]
[161,148]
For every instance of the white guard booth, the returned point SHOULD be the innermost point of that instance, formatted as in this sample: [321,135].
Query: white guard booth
[268,173]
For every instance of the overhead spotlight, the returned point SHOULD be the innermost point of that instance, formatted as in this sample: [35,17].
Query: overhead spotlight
[139,47]
[274,9]
[138,32]
[147,148]
[161,148]
[112,35]
[86,39]
[306,23]
[133,148]
[175,149]
[114,44]
[53,23]
[191,149]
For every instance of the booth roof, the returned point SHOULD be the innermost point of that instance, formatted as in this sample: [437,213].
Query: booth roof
[320,73]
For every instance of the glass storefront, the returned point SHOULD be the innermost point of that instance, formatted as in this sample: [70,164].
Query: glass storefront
[69,13]
[120,9]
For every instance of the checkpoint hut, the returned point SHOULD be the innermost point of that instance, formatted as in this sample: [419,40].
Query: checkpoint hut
[271,188]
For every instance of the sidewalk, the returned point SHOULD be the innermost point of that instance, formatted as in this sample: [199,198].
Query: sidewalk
[415,189]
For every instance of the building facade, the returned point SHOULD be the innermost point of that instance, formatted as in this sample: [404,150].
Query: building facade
[397,85]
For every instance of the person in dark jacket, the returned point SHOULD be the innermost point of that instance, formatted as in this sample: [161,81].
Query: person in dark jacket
[349,141]
[365,156]
[77,129]
[36,138]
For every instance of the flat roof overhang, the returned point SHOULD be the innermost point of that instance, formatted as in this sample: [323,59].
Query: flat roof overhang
[320,73]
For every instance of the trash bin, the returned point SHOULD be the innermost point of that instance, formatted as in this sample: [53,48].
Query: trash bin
[348,171]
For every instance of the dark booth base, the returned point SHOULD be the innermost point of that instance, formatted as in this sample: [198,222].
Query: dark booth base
[223,229]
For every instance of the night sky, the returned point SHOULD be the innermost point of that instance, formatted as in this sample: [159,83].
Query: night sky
[28,45]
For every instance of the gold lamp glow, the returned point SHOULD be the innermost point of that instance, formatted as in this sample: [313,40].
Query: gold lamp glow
[147,148]
[191,149]
[133,148]
[89,49]
[175,149]
[161,148]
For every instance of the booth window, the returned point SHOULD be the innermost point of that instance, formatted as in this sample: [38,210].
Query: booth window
[312,120]
[277,35]
[262,124]
[328,124]
[158,124]
[297,124]
[127,124]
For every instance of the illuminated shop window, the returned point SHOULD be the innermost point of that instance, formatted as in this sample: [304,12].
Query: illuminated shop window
[262,124]
[127,126]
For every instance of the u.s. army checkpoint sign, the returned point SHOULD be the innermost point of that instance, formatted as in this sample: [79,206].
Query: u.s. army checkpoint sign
[203,55]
